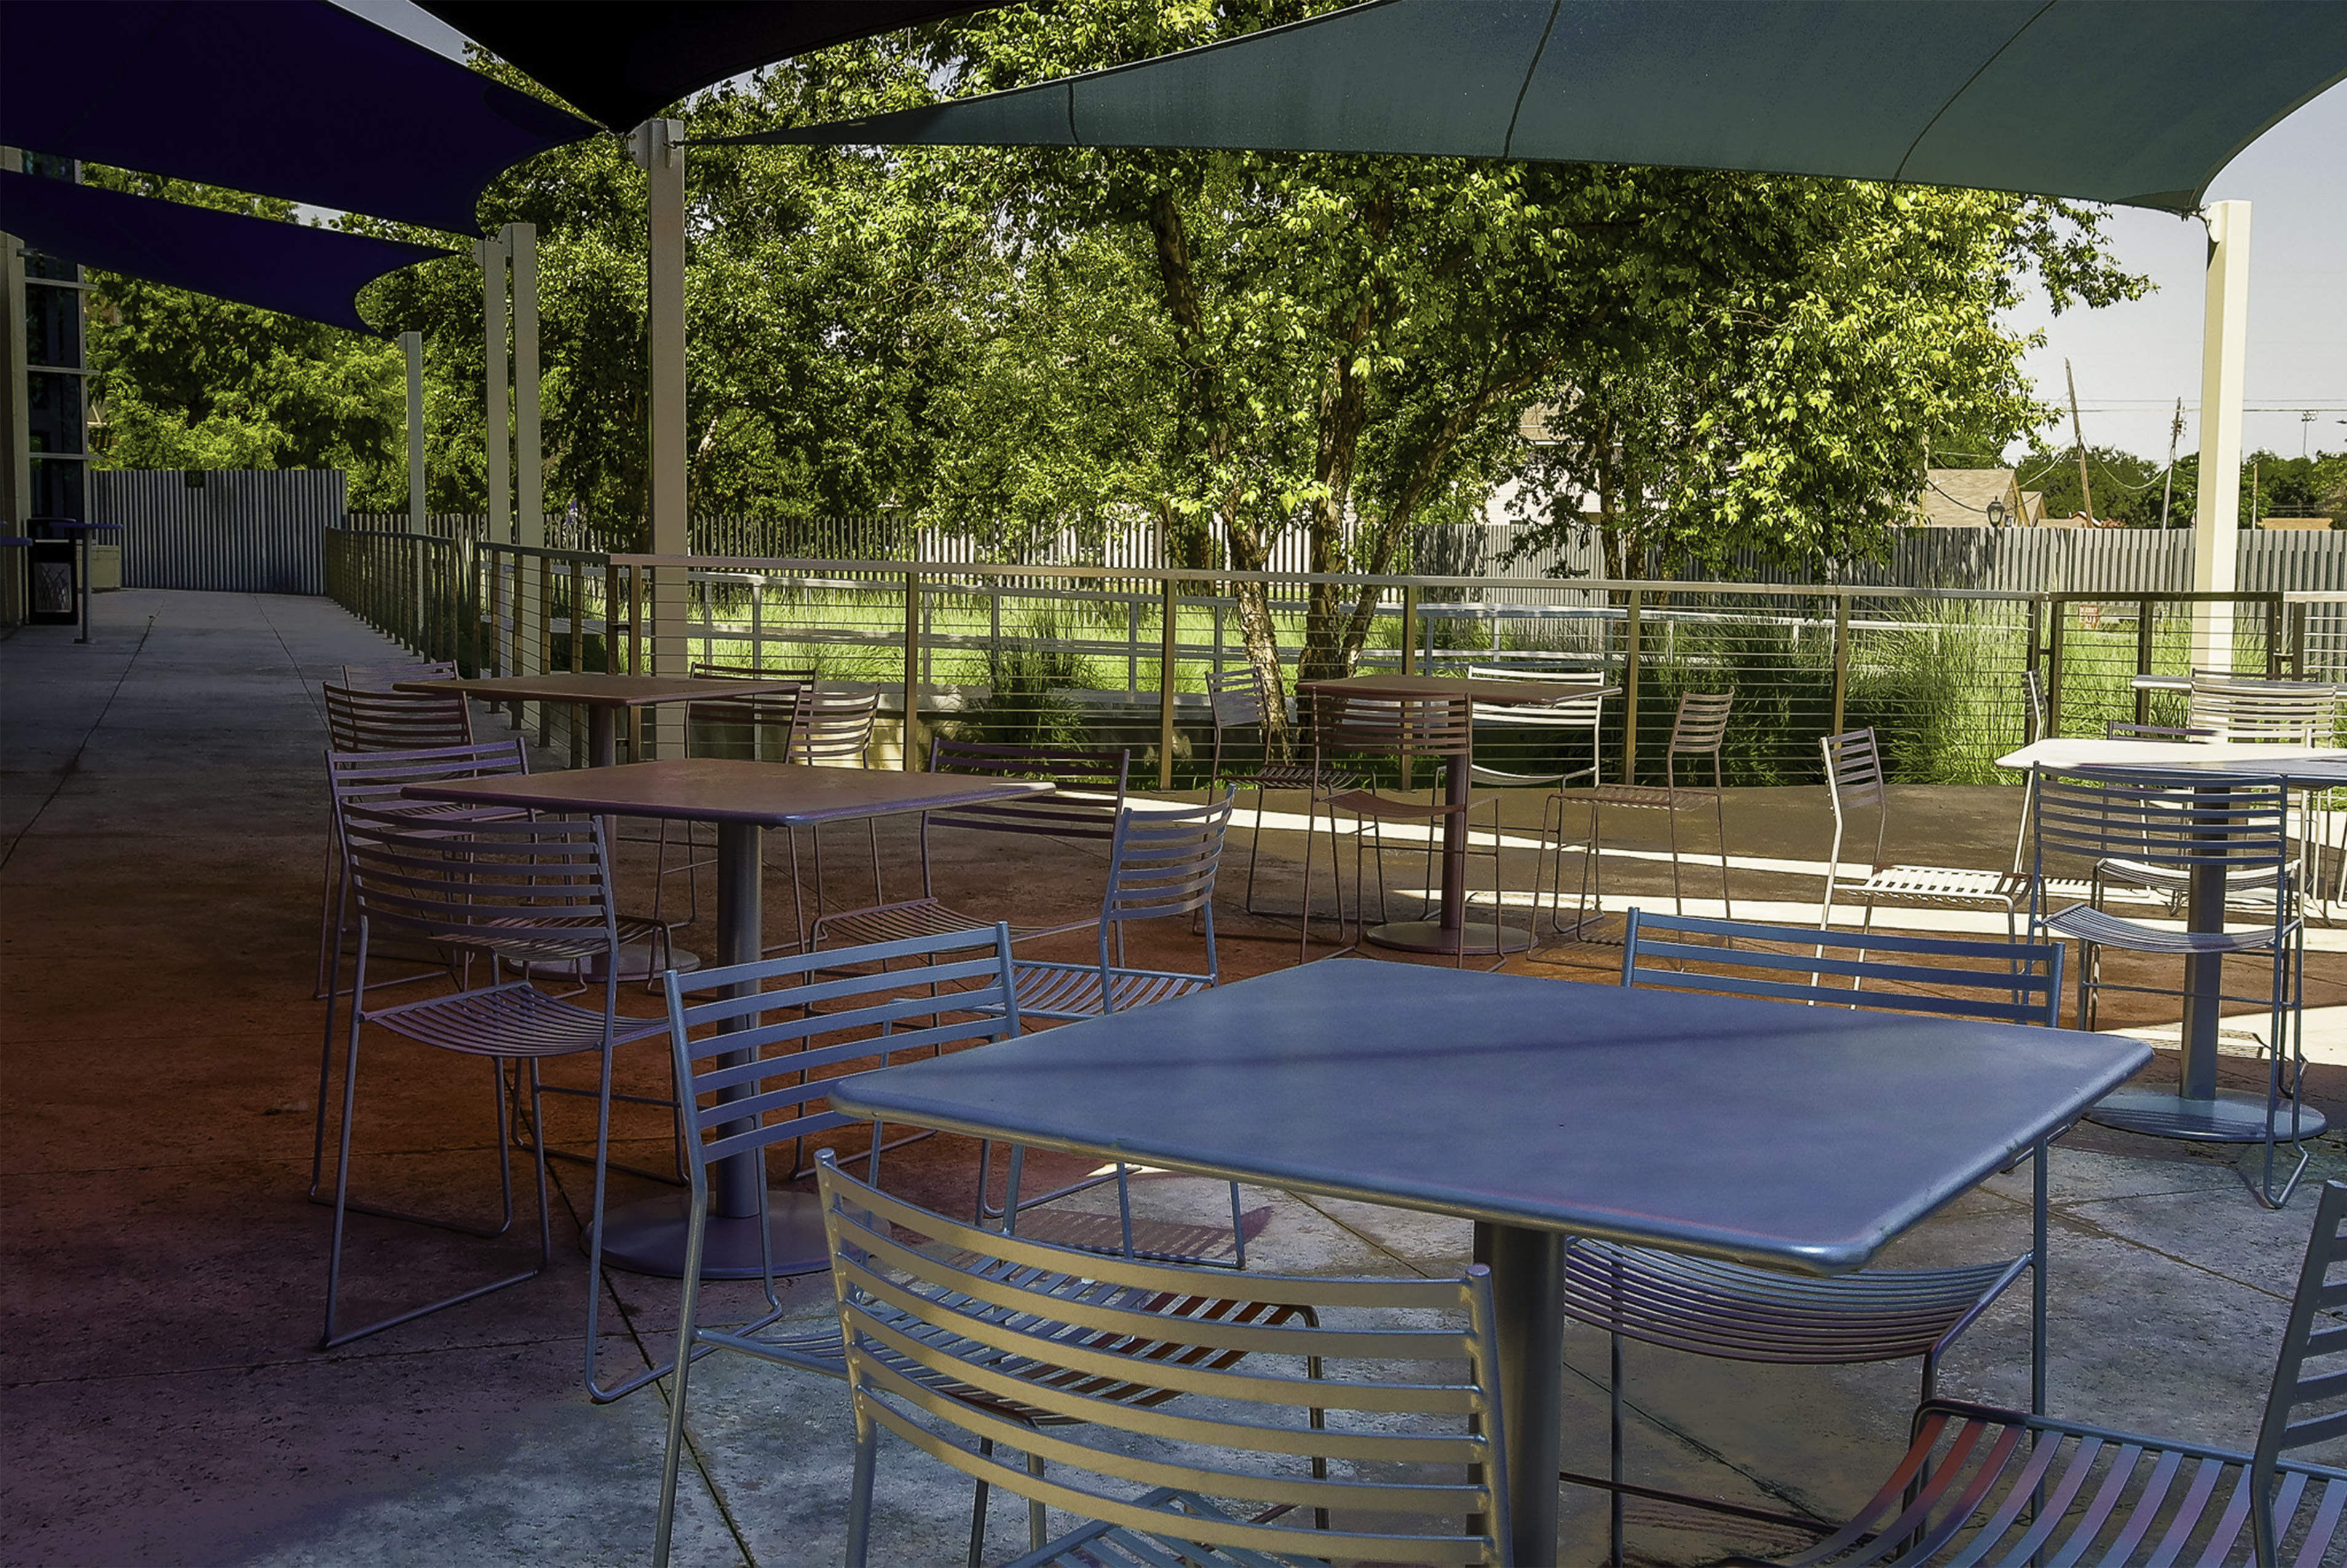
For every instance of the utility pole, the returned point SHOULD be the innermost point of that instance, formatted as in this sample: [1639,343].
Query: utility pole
[2078,439]
[2174,434]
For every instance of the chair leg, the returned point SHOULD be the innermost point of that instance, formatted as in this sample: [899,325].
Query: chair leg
[1613,1406]
[859,1492]
[687,1335]
[1036,1533]
[1719,821]
[977,1509]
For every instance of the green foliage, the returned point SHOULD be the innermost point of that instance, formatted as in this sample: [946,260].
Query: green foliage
[2127,489]
[1026,677]
[187,381]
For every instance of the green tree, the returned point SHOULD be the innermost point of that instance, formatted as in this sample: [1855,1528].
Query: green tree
[187,381]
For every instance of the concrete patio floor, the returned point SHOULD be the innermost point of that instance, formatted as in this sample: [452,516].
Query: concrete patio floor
[162,830]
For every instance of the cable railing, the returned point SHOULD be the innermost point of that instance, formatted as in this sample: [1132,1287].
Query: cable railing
[1089,654]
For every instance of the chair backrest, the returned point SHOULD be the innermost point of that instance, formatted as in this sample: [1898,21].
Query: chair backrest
[1091,790]
[1161,862]
[376,779]
[2033,691]
[1854,782]
[524,891]
[2009,983]
[755,1064]
[1404,727]
[1701,724]
[1236,698]
[2294,713]
[361,721]
[1571,709]
[835,727]
[2313,1335]
[1315,1395]
[756,711]
[380,674]
[2173,822]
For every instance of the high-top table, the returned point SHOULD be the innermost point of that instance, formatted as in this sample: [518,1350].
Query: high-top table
[743,798]
[1798,1137]
[1450,931]
[603,696]
[2198,1110]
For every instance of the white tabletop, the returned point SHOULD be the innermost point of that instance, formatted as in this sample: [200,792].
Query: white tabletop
[2320,763]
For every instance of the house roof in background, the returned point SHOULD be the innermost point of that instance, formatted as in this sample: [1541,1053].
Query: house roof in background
[291,99]
[309,272]
[1941,92]
[624,61]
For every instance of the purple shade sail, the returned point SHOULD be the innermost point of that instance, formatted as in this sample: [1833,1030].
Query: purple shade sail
[292,98]
[624,61]
[313,273]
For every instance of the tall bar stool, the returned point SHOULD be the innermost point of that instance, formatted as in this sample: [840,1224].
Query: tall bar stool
[1699,730]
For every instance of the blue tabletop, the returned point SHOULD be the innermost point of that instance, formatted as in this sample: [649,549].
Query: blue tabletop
[1766,1132]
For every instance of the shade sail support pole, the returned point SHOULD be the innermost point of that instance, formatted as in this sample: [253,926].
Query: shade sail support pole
[411,348]
[658,146]
[529,491]
[2224,357]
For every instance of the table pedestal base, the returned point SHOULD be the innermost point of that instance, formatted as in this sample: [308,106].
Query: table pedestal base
[2232,1117]
[648,1237]
[1483,937]
[641,961]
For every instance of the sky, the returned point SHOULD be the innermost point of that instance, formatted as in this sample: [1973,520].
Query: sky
[2132,361]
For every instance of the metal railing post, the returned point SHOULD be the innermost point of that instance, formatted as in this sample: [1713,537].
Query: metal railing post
[912,671]
[2056,615]
[1410,663]
[1630,688]
[2142,658]
[1841,660]
[1168,657]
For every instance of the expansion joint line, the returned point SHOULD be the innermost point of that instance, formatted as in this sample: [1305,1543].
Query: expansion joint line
[73,763]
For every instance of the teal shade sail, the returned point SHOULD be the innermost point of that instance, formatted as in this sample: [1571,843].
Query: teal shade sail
[1978,93]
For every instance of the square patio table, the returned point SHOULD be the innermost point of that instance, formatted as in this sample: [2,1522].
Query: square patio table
[1450,931]
[603,697]
[2198,1110]
[743,798]
[1775,1133]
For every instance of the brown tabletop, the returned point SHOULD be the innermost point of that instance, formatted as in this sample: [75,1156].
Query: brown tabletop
[743,798]
[597,691]
[1476,689]
[1451,931]
[602,695]
[732,790]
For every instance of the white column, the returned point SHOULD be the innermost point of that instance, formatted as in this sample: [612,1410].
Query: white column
[411,346]
[529,493]
[2224,355]
[497,417]
[656,147]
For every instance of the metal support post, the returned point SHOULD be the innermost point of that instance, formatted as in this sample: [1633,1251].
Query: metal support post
[1410,661]
[912,760]
[2224,357]
[659,150]
[1168,652]
[1629,687]
[1841,658]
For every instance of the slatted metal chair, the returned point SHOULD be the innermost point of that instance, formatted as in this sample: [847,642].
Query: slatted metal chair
[1854,782]
[1161,865]
[2038,725]
[2174,825]
[366,721]
[1084,808]
[1239,699]
[1576,712]
[755,724]
[759,1062]
[835,732]
[2003,1489]
[1740,1313]
[1407,730]
[2292,712]
[1330,1448]
[1699,730]
[527,894]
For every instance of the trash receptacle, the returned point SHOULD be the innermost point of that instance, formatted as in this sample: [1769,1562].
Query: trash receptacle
[52,573]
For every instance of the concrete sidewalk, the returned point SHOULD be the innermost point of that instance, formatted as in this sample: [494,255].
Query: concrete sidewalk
[161,833]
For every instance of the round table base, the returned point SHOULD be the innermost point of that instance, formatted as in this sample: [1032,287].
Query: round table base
[640,961]
[1481,937]
[2233,1117]
[648,1237]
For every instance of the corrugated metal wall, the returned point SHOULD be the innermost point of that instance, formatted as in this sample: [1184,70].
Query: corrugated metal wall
[241,531]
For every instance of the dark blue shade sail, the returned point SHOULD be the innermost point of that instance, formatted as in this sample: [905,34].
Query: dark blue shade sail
[624,61]
[309,272]
[1938,92]
[292,98]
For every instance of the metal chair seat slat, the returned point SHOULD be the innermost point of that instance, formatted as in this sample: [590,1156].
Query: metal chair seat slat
[2089,923]
[918,918]
[1070,990]
[508,1020]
